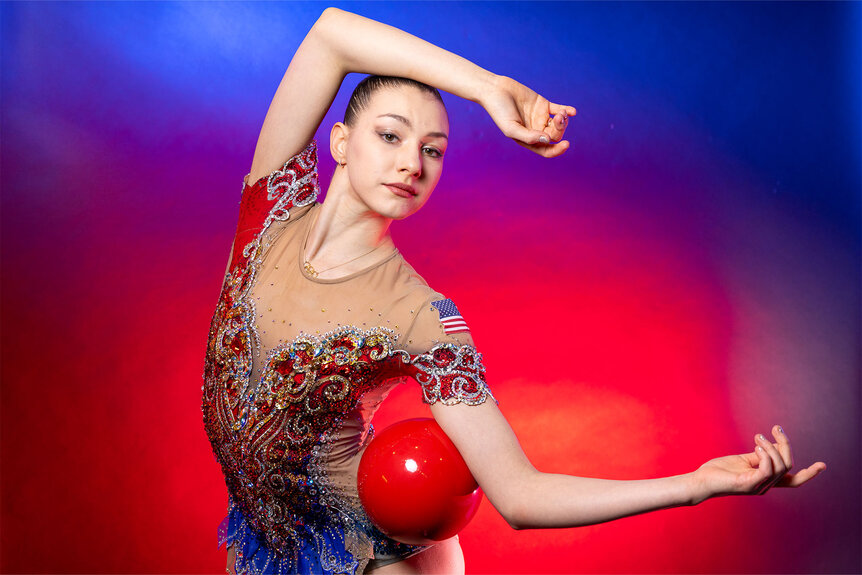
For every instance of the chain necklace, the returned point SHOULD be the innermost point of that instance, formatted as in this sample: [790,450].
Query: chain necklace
[314,273]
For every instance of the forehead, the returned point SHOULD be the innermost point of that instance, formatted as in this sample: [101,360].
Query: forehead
[424,112]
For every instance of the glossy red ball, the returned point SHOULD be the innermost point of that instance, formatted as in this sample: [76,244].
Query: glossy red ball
[414,485]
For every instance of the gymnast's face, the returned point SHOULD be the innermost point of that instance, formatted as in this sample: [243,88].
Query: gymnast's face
[394,151]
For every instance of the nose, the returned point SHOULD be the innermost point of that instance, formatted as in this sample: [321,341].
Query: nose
[410,162]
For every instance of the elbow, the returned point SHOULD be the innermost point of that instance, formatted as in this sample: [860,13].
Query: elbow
[514,513]
[516,502]
[331,18]
[325,21]
[328,33]
[514,519]
[511,521]
[508,511]
[325,18]
[328,14]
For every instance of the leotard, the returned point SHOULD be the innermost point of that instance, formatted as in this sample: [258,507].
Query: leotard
[295,368]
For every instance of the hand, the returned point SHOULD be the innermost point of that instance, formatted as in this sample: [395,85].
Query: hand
[753,473]
[528,118]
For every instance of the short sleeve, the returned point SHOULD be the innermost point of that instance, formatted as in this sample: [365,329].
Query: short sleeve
[271,198]
[443,358]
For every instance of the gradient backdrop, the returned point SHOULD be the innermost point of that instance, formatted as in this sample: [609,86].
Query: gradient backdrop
[687,275]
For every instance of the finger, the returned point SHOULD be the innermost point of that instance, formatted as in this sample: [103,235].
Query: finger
[783,446]
[547,150]
[561,121]
[556,126]
[797,479]
[753,459]
[556,108]
[524,135]
[778,467]
[764,470]
[556,150]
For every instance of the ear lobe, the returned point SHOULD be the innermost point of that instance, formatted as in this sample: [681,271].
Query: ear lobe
[338,142]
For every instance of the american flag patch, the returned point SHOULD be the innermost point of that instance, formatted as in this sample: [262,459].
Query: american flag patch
[450,317]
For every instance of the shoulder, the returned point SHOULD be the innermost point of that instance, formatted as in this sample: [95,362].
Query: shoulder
[435,319]
[443,357]
[271,197]
[296,177]
[405,283]
[275,198]
[422,294]
[424,315]
[413,289]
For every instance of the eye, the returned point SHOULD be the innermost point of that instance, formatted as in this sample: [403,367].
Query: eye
[433,152]
[388,137]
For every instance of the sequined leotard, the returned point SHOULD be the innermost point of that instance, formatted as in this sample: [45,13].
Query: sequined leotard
[295,368]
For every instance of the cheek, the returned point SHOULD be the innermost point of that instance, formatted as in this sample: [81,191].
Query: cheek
[433,171]
[365,166]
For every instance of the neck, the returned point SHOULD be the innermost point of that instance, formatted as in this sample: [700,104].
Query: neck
[345,228]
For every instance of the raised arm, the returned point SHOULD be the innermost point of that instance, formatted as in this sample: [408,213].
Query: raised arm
[528,498]
[340,43]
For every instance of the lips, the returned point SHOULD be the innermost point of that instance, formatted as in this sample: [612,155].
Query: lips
[402,189]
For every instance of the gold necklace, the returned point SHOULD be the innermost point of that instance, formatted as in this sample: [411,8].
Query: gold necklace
[314,273]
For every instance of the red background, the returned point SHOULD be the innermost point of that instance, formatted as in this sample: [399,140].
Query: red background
[686,276]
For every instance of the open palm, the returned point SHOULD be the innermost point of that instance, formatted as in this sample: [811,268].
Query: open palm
[756,472]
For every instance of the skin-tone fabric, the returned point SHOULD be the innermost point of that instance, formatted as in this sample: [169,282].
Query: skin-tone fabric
[385,298]
[388,293]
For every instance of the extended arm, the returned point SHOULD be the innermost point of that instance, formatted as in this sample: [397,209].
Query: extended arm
[340,43]
[528,498]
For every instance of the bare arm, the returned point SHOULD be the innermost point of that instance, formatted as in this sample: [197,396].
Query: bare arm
[528,498]
[340,43]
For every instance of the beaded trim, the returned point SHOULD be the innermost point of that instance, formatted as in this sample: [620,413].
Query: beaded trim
[290,187]
[451,374]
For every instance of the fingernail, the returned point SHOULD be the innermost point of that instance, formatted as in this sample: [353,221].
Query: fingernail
[759,448]
[760,436]
[544,139]
[780,430]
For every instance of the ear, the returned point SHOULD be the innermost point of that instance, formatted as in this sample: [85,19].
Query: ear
[338,142]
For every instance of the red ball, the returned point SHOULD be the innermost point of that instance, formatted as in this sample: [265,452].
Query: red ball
[414,485]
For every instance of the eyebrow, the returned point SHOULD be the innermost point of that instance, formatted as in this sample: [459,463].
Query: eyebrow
[405,121]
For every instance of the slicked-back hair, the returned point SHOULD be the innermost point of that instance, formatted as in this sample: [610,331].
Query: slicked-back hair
[366,88]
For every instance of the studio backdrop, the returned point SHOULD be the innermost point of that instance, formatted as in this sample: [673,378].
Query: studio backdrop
[687,275]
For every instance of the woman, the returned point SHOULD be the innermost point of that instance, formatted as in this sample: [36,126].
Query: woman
[320,316]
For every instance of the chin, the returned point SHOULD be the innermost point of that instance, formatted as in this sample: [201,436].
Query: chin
[397,212]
